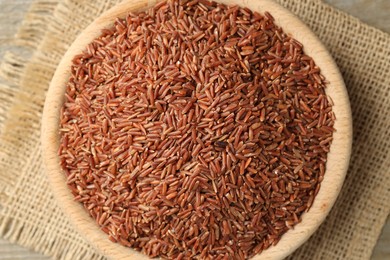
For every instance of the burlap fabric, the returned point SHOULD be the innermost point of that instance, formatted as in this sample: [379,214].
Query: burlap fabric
[30,216]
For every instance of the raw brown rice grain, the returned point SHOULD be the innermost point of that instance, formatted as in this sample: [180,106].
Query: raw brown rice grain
[195,130]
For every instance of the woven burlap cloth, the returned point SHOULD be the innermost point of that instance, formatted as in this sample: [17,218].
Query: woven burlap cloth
[30,216]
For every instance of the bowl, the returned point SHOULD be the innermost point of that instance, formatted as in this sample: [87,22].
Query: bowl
[338,157]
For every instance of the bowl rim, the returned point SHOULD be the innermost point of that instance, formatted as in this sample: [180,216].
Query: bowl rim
[338,157]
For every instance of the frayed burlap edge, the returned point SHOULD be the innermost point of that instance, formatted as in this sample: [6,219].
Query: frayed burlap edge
[17,93]
[21,98]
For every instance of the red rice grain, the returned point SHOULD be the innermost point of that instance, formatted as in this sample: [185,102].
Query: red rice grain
[195,130]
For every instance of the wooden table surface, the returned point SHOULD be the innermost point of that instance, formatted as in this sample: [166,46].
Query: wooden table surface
[373,12]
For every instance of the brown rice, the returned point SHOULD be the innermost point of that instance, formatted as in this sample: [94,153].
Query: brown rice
[195,129]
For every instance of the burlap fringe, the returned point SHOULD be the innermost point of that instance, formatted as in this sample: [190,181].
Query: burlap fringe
[37,240]
[25,81]
[33,30]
